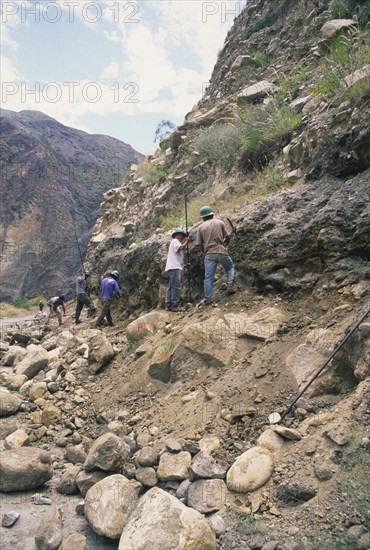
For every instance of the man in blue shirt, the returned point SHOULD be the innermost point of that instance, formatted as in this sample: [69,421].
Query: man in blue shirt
[108,288]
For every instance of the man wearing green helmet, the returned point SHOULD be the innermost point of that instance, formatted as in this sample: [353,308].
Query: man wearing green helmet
[83,298]
[174,268]
[108,288]
[211,239]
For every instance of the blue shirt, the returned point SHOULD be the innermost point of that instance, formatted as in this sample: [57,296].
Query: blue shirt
[108,287]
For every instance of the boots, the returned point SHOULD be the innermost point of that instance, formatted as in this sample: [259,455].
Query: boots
[230,289]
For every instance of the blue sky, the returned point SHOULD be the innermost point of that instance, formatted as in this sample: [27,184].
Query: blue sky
[114,67]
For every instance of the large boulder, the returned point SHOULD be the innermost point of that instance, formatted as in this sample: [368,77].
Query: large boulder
[67,484]
[145,325]
[101,351]
[250,471]
[257,91]
[335,26]
[49,533]
[162,521]
[86,480]
[174,467]
[7,426]
[19,438]
[207,495]
[9,403]
[108,453]
[109,503]
[13,356]
[204,466]
[308,357]
[76,541]
[260,326]
[37,359]
[24,468]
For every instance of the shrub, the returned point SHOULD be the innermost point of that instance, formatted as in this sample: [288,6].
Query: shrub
[220,144]
[258,128]
[36,300]
[267,124]
[353,477]
[346,55]
[289,86]
[21,302]
[164,144]
[339,10]
[150,173]
[280,122]
[260,24]
[363,16]
[171,220]
[270,179]
[261,61]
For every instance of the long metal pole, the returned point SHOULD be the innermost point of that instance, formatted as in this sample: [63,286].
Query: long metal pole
[79,250]
[325,364]
[187,246]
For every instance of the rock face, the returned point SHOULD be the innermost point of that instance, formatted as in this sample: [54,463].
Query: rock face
[162,521]
[45,163]
[24,468]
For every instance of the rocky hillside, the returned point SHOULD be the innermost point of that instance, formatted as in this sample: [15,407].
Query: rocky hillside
[53,180]
[279,143]
[155,432]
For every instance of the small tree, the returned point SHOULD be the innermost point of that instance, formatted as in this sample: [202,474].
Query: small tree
[163,129]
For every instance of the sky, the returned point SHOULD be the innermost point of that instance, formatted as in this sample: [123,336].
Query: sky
[113,67]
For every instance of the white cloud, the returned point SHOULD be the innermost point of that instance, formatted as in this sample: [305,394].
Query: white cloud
[111,72]
[8,70]
[160,65]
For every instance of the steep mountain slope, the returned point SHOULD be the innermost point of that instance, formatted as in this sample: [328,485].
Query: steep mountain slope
[279,143]
[53,180]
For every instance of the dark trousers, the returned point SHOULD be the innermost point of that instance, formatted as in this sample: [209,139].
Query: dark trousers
[105,312]
[84,300]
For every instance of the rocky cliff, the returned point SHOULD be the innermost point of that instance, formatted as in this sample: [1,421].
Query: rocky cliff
[279,143]
[53,180]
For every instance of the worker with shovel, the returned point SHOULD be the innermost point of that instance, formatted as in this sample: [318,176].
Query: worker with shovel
[211,239]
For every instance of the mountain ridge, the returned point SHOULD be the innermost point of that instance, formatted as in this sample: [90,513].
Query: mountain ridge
[55,176]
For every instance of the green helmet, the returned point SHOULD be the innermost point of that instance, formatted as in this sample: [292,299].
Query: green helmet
[115,274]
[178,231]
[87,273]
[206,211]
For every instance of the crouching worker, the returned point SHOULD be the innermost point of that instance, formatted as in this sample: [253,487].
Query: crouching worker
[83,298]
[108,288]
[54,304]
[174,268]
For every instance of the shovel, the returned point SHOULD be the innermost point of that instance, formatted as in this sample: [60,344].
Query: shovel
[275,417]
